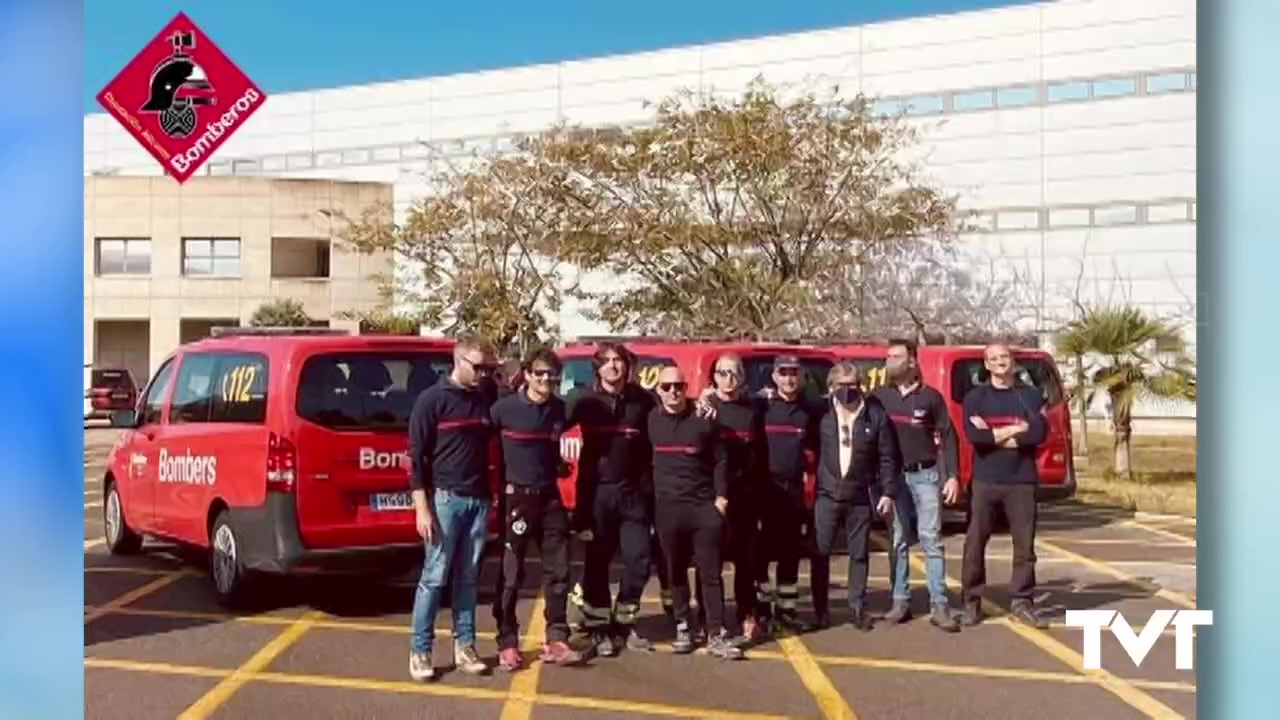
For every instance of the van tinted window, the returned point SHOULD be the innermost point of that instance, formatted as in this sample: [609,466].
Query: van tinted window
[221,388]
[1037,372]
[367,390]
[759,370]
[578,372]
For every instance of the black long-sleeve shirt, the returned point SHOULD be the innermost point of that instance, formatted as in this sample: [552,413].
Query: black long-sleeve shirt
[689,460]
[1001,407]
[874,464]
[918,417]
[791,430]
[449,436]
[741,423]
[530,436]
[615,437]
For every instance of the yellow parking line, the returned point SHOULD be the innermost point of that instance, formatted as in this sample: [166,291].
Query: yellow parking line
[523,692]
[116,570]
[436,689]
[1127,542]
[223,691]
[1107,569]
[133,596]
[94,543]
[1178,537]
[815,679]
[1123,689]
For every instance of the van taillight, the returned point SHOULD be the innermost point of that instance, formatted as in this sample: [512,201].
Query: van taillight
[282,464]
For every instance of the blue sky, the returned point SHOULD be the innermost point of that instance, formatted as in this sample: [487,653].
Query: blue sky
[287,45]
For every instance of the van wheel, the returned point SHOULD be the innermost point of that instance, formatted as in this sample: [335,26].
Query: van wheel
[232,581]
[121,539]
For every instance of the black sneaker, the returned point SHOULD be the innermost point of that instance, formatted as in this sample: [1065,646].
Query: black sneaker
[722,647]
[941,618]
[791,620]
[972,614]
[822,621]
[1025,613]
[683,644]
[860,620]
[900,613]
[603,644]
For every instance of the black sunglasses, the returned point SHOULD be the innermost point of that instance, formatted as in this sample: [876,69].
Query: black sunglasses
[544,374]
[482,368]
[669,387]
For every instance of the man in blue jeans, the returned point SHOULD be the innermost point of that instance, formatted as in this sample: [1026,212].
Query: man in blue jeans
[919,416]
[449,437]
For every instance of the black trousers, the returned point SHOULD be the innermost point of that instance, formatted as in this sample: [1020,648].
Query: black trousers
[620,523]
[534,516]
[782,516]
[1019,504]
[693,531]
[829,518]
[742,544]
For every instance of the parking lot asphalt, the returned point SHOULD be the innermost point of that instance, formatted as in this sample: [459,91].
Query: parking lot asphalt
[157,646]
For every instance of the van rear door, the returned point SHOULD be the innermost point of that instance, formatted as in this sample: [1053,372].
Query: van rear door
[353,464]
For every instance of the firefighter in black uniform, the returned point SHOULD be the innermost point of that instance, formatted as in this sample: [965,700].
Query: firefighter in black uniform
[613,507]
[791,433]
[691,491]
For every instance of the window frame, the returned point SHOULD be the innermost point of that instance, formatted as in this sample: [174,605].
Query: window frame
[220,361]
[163,381]
[126,242]
[211,258]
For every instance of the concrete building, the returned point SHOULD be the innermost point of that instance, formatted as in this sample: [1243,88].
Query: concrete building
[164,263]
[1069,125]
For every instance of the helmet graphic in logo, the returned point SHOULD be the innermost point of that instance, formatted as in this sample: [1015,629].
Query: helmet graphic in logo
[178,86]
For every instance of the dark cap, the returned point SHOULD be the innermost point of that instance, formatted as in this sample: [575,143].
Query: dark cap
[786,361]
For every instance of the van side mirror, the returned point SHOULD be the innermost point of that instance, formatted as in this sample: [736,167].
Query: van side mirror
[124,419]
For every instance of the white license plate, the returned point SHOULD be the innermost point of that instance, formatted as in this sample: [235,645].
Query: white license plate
[391,501]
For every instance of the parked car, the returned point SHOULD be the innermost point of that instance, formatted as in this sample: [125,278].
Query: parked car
[107,391]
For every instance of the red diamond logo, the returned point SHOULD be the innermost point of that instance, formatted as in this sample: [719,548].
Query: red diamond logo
[181,98]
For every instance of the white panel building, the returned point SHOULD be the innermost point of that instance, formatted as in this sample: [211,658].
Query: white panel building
[1070,125]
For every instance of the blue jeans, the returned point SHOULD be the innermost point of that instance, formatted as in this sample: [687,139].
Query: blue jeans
[918,516]
[458,548]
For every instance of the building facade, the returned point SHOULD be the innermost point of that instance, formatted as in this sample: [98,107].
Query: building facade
[1069,127]
[164,263]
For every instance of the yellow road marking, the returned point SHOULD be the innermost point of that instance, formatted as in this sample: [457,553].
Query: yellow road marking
[436,689]
[1127,541]
[523,692]
[1177,537]
[1123,689]
[815,679]
[223,691]
[94,504]
[109,569]
[1107,569]
[133,596]
[94,543]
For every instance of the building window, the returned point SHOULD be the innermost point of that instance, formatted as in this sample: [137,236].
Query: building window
[1017,96]
[1193,210]
[299,257]
[275,163]
[299,162]
[980,222]
[328,159]
[357,156]
[123,256]
[211,257]
[386,154]
[979,100]
[1114,87]
[927,105]
[1068,91]
[220,168]
[1191,80]
[245,167]
[1167,212]
[1115,215]
[1166,82]
[1018,220]
[1069,217]
[886,108]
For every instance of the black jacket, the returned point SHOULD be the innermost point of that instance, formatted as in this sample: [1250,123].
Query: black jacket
[875,468]
[689,460]
[742,433]
[449,436]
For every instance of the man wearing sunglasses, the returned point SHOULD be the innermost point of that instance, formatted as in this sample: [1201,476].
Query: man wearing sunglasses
[449,443]
[791,439]
[613,512]
[691,493]
[741,419]
[858,469]
[529,423]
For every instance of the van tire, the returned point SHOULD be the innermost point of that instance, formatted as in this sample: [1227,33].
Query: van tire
[232,582]
[120,538]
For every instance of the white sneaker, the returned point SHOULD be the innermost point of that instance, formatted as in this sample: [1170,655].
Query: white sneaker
[467,661]
[420,667]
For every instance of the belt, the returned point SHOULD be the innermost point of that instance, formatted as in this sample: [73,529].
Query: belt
[918,466]
[514,489]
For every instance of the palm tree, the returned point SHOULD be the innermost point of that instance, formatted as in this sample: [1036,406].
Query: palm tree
[1132,356]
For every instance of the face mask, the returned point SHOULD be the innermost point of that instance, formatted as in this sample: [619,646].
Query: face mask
[847,395]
